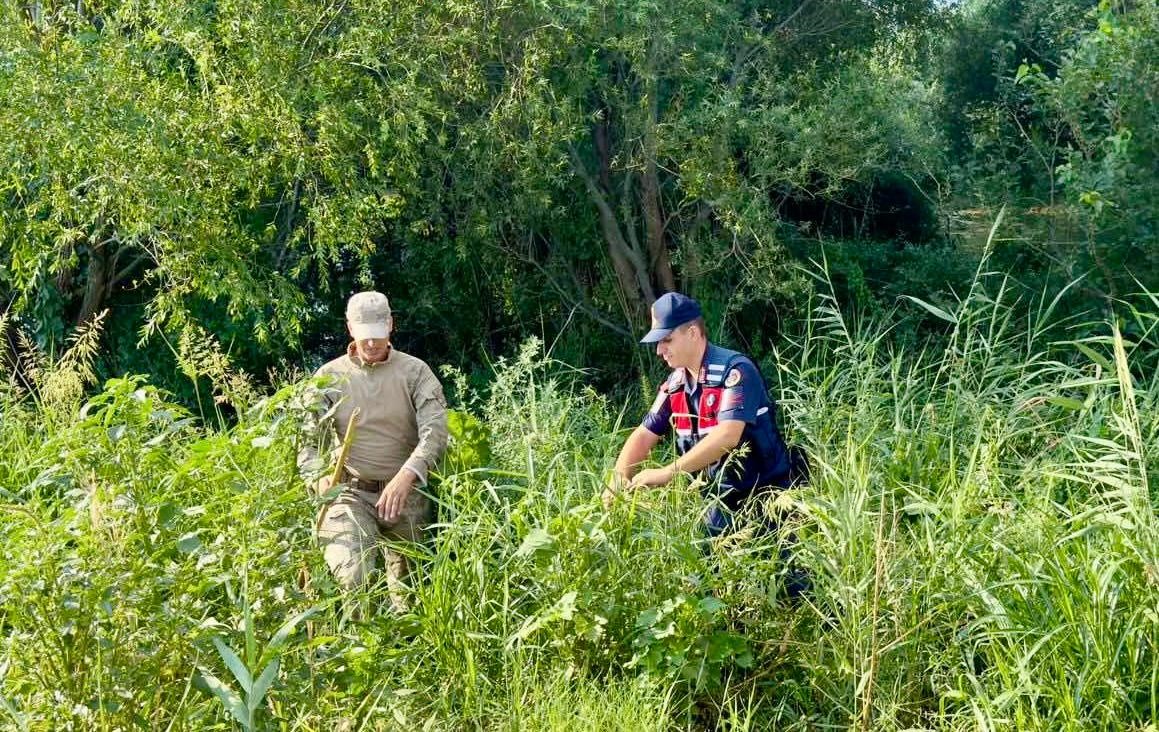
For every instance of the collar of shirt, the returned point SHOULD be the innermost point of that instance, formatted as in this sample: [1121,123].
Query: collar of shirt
[352,354]
[690,386]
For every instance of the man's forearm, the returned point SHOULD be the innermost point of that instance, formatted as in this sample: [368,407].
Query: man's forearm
[431,416]
[432,444]
[635,451]
[725,437]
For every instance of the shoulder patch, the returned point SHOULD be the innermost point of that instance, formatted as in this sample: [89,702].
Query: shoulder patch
[732,379]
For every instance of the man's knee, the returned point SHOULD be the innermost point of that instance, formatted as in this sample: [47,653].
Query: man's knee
[350,564]
[348,545]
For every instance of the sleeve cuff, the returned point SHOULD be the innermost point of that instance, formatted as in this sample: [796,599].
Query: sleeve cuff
[419,470]
[658,431]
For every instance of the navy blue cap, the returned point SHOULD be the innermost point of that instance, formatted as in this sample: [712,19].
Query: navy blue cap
[670,312]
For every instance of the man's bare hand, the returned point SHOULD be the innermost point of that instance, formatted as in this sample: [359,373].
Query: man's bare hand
[653,477]
[323,485]
[394,495]
[617,484]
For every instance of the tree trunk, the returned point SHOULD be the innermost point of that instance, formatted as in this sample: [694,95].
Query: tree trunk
[284,219]
[97,282]
[650,198]
[629,263]
[35,14]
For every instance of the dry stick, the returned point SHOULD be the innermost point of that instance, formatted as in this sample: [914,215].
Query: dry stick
[339,465]
[335,478]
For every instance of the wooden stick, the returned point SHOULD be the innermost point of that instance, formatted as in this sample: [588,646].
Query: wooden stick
[347,440]
[335,478]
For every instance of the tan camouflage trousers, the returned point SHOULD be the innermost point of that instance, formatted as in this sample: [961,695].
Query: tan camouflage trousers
[352,537]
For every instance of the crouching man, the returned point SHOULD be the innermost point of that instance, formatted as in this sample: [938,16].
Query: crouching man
[724,421]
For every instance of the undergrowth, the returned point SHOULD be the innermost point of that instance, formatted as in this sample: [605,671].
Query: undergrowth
[980,532]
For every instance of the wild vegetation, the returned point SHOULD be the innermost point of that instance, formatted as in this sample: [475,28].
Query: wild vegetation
[980,533]
[511,169]
[934,225]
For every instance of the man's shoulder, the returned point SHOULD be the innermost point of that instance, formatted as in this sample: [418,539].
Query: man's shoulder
[723,361]
[722,355]
[675,381]
[408,361]
[335,366]
[415,369]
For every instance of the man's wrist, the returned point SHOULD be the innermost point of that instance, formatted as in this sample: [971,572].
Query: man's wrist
[416,471]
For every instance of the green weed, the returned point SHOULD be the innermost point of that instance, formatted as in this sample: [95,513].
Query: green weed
[980,533]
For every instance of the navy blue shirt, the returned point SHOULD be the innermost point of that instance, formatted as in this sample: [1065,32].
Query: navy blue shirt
[727,387]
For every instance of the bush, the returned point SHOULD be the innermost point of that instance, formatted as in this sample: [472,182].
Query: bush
[980,534]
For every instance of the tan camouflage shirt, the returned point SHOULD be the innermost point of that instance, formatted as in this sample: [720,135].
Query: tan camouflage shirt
[402,423]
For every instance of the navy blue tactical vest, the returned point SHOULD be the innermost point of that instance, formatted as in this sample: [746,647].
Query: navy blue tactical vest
[761,460]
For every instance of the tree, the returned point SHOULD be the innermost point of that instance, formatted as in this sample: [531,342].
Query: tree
[497,167]
[1058,119]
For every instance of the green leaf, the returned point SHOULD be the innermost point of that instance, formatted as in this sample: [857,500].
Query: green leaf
[530,624]
[535,541]
[649,617]
[166,513]
[189,543]
[920,507]
[287,628]
[262,685]
[226,695]
[1066,403]
[236,667]
[564,608]
[933,309]
[1094,355]
[710,605]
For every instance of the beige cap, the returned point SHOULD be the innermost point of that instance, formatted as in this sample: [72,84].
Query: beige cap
[368,315]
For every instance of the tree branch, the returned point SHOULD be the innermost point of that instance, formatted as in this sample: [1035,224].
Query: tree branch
[651,204]
[579,301]
[631,269]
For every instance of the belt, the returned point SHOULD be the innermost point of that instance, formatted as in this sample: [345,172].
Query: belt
[364,484]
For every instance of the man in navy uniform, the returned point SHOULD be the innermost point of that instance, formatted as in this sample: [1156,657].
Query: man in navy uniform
[716,403]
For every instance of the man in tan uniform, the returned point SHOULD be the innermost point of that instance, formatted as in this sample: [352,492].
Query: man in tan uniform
[399,434]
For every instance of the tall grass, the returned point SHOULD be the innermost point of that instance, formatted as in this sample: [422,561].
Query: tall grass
[983,531]
[980,532]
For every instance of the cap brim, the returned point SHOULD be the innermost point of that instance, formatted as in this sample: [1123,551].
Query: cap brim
[363,331]
[656,334]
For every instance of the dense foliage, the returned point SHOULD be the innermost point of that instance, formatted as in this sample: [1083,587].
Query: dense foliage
[190,191]
[980,532]
[514,169]
[1063,125]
